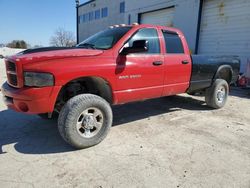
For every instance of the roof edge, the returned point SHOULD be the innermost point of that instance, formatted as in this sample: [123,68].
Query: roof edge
[83,4]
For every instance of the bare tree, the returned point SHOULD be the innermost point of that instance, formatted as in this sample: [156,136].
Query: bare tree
[18,44]
[62,37]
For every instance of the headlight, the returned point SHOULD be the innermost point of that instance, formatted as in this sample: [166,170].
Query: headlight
[38,79]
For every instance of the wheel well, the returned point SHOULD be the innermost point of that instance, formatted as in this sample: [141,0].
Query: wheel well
[92,85]
[225,73]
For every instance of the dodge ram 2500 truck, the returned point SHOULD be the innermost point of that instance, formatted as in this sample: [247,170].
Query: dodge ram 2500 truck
[115,66]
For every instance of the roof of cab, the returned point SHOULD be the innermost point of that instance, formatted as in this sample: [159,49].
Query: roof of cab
[171,29]
[136,25]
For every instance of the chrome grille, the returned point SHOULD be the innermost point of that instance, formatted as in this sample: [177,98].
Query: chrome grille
[11,73]
[11,66]
[12,79]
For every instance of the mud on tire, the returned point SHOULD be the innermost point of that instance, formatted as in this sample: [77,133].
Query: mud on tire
[85,120]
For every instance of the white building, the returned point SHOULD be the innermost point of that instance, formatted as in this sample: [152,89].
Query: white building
[217,27]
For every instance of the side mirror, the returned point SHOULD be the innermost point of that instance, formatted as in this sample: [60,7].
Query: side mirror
[137,47]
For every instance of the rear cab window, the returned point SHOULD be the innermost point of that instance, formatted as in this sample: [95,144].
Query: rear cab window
[173,42]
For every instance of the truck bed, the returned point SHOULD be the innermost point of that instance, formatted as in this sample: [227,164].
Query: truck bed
[206,68]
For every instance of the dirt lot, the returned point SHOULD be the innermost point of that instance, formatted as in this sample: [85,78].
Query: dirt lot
[169,142]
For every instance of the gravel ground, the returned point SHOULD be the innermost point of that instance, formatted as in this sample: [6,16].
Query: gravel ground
[169,142]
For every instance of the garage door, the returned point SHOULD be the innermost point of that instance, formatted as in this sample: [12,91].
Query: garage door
[161,17]
[225,29]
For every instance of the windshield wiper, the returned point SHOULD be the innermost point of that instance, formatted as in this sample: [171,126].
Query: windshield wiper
[87,45]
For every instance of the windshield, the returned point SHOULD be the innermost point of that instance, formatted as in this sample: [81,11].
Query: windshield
[105,39]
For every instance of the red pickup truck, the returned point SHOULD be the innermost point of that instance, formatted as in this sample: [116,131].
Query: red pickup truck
[119,65]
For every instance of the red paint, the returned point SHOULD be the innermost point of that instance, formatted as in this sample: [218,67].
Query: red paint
[154,81]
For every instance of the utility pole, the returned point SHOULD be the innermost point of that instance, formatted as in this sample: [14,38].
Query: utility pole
[77,21]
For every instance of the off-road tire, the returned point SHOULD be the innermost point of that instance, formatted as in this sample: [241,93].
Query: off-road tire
[212,94]
[69,115]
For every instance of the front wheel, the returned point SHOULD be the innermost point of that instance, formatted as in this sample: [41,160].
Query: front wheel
[85,120]
[216,96]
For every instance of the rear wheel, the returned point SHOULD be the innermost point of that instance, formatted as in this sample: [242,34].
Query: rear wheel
[85,120]
[216,96]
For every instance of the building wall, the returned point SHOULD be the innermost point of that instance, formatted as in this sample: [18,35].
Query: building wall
[185,17]
[89,28]
[225,29]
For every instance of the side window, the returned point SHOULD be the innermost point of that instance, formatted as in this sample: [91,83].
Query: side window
[122,7]
[173,43]
[87,17]
[151,36]
[91,16]
[80,19]
[104,12]
[97,14]
[83,18]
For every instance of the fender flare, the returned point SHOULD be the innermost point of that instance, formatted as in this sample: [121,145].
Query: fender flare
[228,67]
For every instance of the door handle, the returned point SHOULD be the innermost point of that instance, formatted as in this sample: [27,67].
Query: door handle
[185,62]
[157,63]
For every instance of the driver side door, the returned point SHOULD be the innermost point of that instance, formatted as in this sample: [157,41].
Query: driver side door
[140,76]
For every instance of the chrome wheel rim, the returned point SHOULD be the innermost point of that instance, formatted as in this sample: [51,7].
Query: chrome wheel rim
[221,94]
[89,122]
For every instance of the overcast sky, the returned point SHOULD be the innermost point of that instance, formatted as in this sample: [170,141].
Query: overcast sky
[35,21]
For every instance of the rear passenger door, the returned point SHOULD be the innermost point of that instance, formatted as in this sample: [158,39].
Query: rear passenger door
[177,64]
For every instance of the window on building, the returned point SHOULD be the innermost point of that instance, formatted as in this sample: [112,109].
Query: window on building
[87,17]
[151,36]
[83,18]
[104,12]
[97,14]
[122,7]
[173,43]
[129,19]
[91,16]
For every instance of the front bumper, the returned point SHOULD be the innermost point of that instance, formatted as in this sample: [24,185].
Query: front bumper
[30,100]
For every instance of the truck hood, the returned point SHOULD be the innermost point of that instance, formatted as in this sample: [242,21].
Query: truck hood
[50,53]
